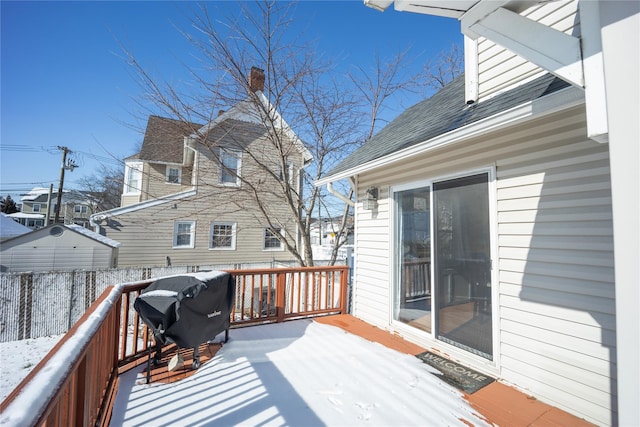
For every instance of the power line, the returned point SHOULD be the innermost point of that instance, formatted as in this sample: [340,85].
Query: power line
[21,148]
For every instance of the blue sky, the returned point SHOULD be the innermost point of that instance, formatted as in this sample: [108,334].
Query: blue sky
[64,81]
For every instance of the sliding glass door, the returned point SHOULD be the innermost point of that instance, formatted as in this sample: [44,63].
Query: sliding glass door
[413,225]
[463,263]
[444,278]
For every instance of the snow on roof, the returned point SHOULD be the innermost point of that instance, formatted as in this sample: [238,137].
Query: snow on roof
[39,191]
[35,192]
[10,228]
[26,215]
[93,235]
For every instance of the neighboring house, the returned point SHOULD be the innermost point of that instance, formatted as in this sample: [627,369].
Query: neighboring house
[10,228]
[32,221]
[187,194]
[324,232]
[58,247]
[497,222]
[75,209]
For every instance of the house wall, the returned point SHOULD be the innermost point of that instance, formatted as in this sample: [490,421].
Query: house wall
[500,69]
[156,184]
[146,235]
[42,251]
[554,297]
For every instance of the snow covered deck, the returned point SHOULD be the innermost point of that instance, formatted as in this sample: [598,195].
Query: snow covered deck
[298,373]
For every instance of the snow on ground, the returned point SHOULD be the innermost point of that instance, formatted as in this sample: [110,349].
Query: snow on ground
[298,373]
[18,358]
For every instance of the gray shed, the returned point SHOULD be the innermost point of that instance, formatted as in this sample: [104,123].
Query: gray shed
[58,248]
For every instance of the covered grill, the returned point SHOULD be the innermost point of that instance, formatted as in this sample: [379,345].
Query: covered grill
[187,310]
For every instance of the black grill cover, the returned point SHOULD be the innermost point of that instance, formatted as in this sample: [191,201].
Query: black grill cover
[187,310]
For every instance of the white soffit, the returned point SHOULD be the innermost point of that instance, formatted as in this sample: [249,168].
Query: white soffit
[448,8]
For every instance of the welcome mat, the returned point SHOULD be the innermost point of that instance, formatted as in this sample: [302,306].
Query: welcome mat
[459,376]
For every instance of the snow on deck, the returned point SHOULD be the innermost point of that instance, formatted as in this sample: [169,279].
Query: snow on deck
[298,373]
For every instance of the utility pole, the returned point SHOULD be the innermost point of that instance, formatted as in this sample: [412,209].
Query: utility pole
[46,221]
[71,166]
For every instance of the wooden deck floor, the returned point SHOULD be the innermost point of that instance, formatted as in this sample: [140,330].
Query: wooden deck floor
[498,403]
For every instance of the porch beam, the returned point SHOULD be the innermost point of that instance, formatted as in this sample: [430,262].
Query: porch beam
[553,50]
[593,67]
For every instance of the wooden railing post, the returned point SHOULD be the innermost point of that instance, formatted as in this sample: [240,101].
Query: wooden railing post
[343,290]
[281,283]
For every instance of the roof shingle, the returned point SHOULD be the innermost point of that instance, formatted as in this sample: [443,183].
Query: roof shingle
[443,112]
[164,139]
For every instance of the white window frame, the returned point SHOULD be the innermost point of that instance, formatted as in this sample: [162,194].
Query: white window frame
[232,247]
[493,224]
[35,223]
[132,170]
[223,154]
[192,234]
[264,240]
[80,209]
[36,207]
[168,175]
[289,166]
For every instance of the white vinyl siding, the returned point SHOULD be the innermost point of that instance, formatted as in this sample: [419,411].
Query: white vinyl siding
[555,277]
[372,265]
[500,69]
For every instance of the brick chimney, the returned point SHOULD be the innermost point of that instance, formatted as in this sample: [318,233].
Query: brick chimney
[256,79]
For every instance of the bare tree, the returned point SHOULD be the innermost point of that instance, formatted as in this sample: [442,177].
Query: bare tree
[326,113]
[445,67]
[105,187]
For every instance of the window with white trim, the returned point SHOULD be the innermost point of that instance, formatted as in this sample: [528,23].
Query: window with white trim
[174,175]
[80,209]
[230,162]
[271,242]
[133,178]
[289,170]
[184,234]
[36,207]
[223,236]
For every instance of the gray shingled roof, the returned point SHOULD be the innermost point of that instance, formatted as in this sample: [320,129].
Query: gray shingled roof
[443,112]
[164,139]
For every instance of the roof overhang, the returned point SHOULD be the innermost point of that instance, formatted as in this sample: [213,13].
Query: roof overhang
[576,60]
[447,8]
[550,104]
[100,216]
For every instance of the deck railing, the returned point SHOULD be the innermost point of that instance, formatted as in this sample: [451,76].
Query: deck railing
[82,369]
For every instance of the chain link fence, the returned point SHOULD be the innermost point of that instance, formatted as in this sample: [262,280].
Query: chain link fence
[35,305]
